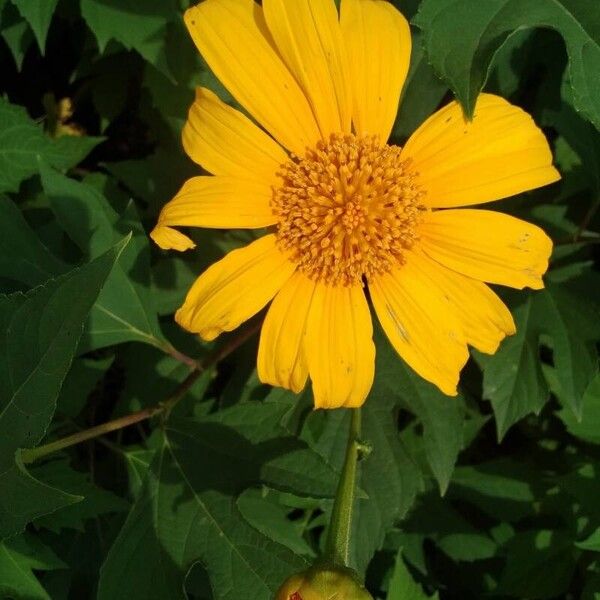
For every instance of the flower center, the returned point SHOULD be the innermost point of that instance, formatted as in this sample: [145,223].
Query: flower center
[348,209]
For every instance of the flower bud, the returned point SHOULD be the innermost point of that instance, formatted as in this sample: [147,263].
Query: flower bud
[322,583]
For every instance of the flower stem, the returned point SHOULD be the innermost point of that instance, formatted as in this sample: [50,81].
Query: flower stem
[30,455]
[337,548]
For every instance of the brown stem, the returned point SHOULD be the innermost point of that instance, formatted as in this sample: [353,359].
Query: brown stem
[31,454]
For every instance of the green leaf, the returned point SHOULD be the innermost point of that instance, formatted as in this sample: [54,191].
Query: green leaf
[23,258]
[592,542]
[262,510]
[540,564]
[587,426]
[566,317]
[502,489]
[19,557]
[38,13]
[95,501]
[23,143]
[441,416]
[138,26]
[39,333]
[421,95]
[570,318]
[16,33]
[84,375]
[462,54]
[124,310]
[403,586]
[23,498]
[512,378]
[186,513]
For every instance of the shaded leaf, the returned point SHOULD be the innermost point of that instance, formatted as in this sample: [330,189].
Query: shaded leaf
[19,557]
[38,13]
[124,310]
[187,514]
[23,143]
[23,258]
[587,426]
[462,55]
[136,25]
[403,586]
[512,378]
[39,333]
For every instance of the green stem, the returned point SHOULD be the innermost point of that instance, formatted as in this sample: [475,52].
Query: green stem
[337,548]
[30,455]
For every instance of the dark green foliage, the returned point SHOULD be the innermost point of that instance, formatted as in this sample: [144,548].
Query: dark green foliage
[492,494]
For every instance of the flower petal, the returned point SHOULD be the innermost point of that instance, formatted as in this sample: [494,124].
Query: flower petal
[225,142]
[484,318]
[168,238]
[500,153]
[281,358]
[308,36]
[416,319]
[378,45]
[235,288]
[488,246]
[339,346]
[235,42]
[220,202]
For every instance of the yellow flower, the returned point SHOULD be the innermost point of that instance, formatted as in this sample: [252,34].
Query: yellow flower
[348,214]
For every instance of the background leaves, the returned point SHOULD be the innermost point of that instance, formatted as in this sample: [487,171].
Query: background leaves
[490,494]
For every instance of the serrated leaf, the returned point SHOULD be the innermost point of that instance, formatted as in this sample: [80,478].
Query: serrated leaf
[23,498]
[124,310]
[403,586]
[141,27]
[95,501]
[572,324]
[262,510]
[462,54]
[38,13]
[186,513]
[23,143]
[587,427]
[512,378]
[23,258]
[19,557]
[441,416]
[39,333]
[16,32]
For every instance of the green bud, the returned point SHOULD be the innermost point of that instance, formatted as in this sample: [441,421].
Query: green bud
[323,582]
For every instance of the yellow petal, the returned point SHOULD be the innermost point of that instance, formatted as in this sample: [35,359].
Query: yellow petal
[168,238]
[416,319]
[308,36]
[220,202]
[488,246]
[281,358]
[484,318]
[235,42]
[339,346]
[378,44]
[235,288]
[225,142]
[500,153]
